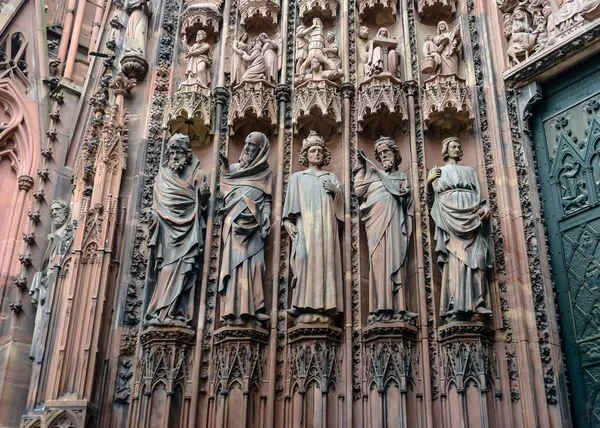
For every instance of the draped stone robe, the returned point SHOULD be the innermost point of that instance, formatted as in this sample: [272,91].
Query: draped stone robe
[247,196]
[315,257]
[464,244]
[176,242]
[388,221]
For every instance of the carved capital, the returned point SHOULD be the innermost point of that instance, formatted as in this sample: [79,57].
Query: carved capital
[411,87]
[348,90]
[221,95]
[25,182]
[283,92]
[122,84]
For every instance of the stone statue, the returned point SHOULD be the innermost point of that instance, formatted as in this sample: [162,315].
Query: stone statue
[238,65]
[177,235]
[199,61]
[59,242]
[386,210]
[441,52]
[313,207]
[137,27]
[254,62]
[463,236]
[246,187]
[301,46]
[270,49]
[316,47]
[568,14]
[522,37]
[382,56]
[332,50]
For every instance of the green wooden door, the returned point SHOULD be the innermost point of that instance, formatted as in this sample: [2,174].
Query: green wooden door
[566,136]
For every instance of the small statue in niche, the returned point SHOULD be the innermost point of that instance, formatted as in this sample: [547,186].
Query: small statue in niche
[246,187]
[255,65]
[463,236]
[238,64]
[568,14]
[316,48]
[199,61]
[137,28]
[301,46]
[574,194]
[382,56]
[270,51]
[59,242]
[386,210]
[177,227]
[442,51]
[313,207]
[332,51]
[521,37]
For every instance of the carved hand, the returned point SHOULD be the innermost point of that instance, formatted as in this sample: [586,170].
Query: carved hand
[291,229]
[266,225]
[152,223]
[205,190]
[330,187]
[484,213]
[434,174]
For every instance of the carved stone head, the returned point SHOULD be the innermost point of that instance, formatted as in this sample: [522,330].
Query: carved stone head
[330,36]
[451,149]
[387,154]
[314,140]
[59,213]
[178,151]
[317,22]
[383,32]
[200,36]
[363,32]
[255,141]
[442,27]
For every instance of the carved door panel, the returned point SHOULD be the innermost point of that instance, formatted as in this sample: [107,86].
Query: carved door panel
[566,135]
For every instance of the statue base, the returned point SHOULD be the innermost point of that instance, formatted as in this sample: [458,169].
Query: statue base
[385,331]
[133,65]
[189,111]
[466,354]
[446,105]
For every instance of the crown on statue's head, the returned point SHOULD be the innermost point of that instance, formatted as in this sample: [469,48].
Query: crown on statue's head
[313,139]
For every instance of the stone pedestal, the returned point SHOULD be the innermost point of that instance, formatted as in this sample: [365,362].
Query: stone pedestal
[317,107]
[378,12]
[162,387]
[446,105]
[239,366]
[315,361]
[133,66]
[189,111]
[253,108]
[381,106]
[467,374]
[391,355]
